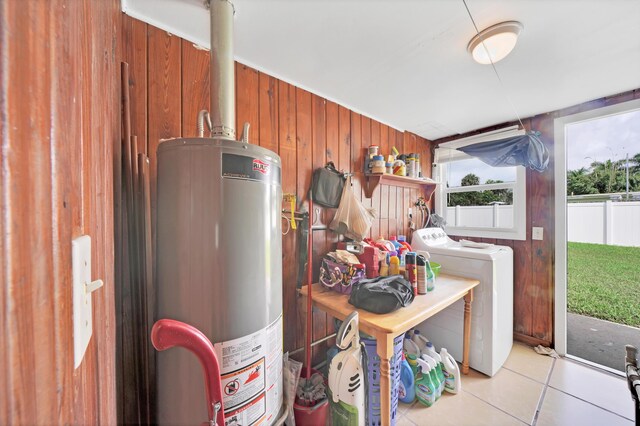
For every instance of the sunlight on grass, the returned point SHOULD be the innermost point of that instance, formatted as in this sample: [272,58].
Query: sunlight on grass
[604,282]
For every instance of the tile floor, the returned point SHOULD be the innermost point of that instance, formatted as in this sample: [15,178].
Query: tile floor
[530,389]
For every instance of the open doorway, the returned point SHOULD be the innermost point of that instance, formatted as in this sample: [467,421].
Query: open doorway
[598,234]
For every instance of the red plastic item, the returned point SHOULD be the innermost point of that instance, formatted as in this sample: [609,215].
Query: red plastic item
[370,259]
[313,415]
[167,333]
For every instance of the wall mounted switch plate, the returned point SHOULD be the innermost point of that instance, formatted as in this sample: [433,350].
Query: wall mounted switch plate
[82,289]
[536,233]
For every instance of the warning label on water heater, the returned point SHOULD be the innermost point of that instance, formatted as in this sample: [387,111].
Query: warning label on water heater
[251,373]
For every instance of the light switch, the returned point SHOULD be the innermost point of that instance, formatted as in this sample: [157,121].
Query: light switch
[82,289]
[536,233]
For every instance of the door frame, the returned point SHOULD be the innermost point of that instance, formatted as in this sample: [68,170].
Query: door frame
[560,174]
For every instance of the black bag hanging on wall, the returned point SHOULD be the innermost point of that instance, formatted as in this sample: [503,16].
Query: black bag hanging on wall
[327,186]
[381,295]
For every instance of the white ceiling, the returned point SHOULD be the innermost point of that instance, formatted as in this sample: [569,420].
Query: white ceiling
[404,62]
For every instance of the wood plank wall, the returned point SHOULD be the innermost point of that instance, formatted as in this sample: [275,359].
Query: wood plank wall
[170,84]
[59,124]
[533,259]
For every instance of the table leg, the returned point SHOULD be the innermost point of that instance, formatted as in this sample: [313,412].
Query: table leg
[385,352]
[468,298]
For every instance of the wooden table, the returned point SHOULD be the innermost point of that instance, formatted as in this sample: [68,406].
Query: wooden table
[387,326]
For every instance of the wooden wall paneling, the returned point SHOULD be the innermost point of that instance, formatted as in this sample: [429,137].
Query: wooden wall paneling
[385,149]
[268,112]
[195,93]
[164,96]
[384,211]
[344,129]
[319,155]
[288,153]
[55,61]
[375,197]
[541,196]
[523,276]
[333,154]
[134,52]
[304,165]
[366,141]
[357,159]
[27,169]
[247,101]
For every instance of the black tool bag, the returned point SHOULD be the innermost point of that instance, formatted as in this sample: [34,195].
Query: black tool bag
[327,186]
[382,295]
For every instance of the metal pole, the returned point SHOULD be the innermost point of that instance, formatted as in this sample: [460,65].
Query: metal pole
[222,75]
[627,176]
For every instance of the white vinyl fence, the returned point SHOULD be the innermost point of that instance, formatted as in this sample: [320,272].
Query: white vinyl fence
[607,222]
[611,223]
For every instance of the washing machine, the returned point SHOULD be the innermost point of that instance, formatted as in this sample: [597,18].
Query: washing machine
[492,307]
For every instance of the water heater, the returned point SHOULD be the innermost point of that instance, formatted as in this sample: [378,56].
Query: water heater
[219,268]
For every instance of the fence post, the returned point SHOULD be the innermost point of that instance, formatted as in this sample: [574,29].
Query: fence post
[458,218]
[608,222]
[495,215]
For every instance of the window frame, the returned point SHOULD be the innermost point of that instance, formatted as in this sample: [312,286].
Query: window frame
[447,153]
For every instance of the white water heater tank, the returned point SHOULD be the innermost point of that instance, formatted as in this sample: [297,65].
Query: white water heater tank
[219,268]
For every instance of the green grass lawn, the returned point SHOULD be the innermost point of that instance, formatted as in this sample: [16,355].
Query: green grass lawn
[604,282]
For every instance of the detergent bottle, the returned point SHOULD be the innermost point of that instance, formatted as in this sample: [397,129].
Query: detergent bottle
[395,242]
[437,380]
[419,339]
[431,352]
[453,382]
[410,347]
[407,387]
[403,240]
[413,363]
[394,264]
[384,267]
[425,389]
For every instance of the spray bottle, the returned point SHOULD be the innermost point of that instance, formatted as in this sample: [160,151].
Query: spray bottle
[437,380]
[425,389]
[430,351]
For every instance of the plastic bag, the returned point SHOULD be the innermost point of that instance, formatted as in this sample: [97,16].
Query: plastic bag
[292,369]
[352,218]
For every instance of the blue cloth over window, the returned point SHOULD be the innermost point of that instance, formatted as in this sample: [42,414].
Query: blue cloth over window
[524,150]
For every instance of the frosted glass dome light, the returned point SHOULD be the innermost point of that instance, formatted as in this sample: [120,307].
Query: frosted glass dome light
[494,43]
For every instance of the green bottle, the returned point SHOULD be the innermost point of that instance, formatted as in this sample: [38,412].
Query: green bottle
[437,377]
[425,388]
[413,363]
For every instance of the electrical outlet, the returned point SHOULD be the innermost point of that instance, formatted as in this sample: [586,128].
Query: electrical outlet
[536,233]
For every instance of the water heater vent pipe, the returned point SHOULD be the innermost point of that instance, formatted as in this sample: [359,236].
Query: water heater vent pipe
[222,76]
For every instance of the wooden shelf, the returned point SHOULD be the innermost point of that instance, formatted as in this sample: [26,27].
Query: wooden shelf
[373,180]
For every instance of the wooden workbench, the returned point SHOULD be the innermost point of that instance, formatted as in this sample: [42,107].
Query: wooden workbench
[386,327]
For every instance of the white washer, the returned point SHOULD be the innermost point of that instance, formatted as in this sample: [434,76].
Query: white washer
[492,307]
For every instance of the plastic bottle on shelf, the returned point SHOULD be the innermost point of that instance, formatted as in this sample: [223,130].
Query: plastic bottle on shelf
[403,241]
[384,267]
[395,242]
[413,363]
[394,264]
[453,382]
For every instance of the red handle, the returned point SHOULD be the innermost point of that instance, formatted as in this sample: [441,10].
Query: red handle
[167,333]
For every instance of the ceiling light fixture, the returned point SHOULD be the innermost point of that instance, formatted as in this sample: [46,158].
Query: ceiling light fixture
[494,43]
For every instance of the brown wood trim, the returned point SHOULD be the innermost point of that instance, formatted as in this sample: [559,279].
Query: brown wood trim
[531,341]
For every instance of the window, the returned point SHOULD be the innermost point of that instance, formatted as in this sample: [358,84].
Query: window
[478,200]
